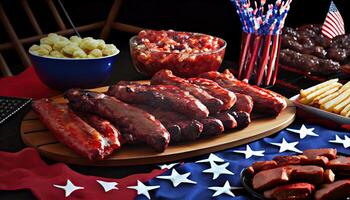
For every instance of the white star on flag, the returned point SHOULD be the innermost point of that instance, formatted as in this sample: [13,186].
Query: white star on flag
[68,188]
[143,189]
[285,146]
[217,170]
[167,166]
[212,158]
[345,142]
[177,178]
[226,189]
[108,186]
[303,131]
[248,152]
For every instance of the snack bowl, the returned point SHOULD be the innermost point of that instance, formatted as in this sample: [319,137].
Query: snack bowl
[65,73]
[183,63]
[246,181]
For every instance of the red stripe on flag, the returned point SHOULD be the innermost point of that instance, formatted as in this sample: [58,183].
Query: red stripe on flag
[336,20]
[332,25]
[328,33]
[329,29]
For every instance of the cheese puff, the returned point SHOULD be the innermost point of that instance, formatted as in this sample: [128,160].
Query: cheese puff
[56,54]
[101,44]
[96,53]
[110,49]
[88,44]
[47,40]
[79,53]
[75,39]
[41,52]
[70,48]
[34,48]
[46,46]
[59,45]
[62,38]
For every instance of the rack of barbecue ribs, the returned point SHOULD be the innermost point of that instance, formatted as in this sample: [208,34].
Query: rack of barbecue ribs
[318,174]
[168,110]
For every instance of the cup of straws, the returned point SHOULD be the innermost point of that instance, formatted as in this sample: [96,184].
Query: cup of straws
[262,26]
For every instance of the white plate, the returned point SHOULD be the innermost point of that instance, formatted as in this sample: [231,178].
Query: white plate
[319,112]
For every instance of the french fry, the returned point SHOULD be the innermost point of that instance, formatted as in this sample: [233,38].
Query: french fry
[304,93]
[345,110]
[329,92]
[328,98]
[337,100]
[345,87]
[310,97]
[341,106]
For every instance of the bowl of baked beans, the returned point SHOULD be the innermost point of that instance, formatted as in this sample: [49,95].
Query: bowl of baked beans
[187,54]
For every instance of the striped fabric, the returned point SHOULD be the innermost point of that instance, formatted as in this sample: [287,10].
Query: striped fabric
[334,23]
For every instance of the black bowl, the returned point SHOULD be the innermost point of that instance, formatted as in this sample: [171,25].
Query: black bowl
[246,180]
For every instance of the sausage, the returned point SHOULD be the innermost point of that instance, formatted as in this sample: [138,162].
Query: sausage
[227,120]
[264,102]
[243,103]
[327,152]
[227,97]
[180,127]
[164,96]
[72,131]
[136,124]
[334,191]
[341,163]
[262,165]
[242,118]
[299,191]
[211,126]
[166,77]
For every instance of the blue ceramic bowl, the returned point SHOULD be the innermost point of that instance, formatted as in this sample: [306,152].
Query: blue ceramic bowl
[65,73]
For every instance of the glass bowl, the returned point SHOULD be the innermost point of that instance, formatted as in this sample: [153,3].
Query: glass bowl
[148,62]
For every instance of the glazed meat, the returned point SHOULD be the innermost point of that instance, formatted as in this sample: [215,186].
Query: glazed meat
[72,131]
[242,118]
[270,178]
[294,191]
[180,127]
[166,77]
[227,120]
[227,97]
[327,152]
[262,165]
[212,126]
[164,96]
[334,191]
[243,103]
[264,102]
[341,163]
[136,124]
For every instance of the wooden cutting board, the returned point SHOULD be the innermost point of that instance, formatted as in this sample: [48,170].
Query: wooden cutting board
[35,134]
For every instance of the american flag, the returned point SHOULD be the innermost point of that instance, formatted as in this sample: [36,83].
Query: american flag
[334,23]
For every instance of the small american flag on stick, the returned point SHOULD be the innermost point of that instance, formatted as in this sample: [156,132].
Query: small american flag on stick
[333,24]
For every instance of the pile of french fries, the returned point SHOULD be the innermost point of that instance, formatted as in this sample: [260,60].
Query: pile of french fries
[331,96]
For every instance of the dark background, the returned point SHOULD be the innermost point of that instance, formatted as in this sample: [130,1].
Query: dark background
[215,17]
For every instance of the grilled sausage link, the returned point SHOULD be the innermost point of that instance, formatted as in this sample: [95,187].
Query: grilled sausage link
[214,89]
[265,101]
[166,77]
[164,96]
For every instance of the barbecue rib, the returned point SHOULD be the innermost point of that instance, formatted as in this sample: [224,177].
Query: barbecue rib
[334,191]
[265,101]
[72,131]
[164,96]
[136,124]
[214,89]
[166,77]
